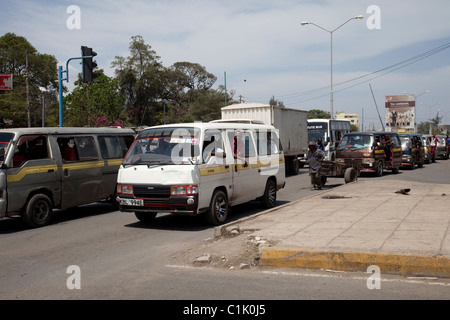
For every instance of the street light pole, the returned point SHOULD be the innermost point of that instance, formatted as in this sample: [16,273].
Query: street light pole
[430,132]
[331,54]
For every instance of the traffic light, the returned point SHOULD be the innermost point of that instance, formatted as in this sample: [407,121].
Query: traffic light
[88,64]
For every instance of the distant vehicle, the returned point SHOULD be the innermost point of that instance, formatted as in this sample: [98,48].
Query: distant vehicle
[370,151]
[291,124]
[330,131]
[426,149]
[46,168]
[442,151]
[412,150]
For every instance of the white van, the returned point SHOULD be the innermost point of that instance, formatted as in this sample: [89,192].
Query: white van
[200,168]
[46,168]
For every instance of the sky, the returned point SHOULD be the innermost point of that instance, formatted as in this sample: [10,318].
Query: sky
[259,48]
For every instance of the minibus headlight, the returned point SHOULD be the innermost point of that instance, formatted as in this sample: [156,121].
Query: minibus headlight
[124,189]
[183,190]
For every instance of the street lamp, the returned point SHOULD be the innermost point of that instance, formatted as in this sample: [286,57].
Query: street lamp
[331,49]
[430,112]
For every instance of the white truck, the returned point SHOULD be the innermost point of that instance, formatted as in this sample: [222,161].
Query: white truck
[292,125]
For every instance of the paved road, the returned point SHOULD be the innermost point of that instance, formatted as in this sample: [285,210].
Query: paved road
[121,259]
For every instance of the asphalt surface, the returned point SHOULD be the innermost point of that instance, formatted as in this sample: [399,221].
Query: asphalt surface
[376,222]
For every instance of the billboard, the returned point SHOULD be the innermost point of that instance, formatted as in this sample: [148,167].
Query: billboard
[400,112]
[6,81]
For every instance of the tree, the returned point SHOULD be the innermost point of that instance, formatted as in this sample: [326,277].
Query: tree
[22,106]
[96,104]
[276,103]
[424,127]
[184,83]
[207,106]
[140,80]
[318,114]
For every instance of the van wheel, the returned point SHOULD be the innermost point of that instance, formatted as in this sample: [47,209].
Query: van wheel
[145,217]
[379,169]
[38,211]
[350,175]
[269,199]
[218,208]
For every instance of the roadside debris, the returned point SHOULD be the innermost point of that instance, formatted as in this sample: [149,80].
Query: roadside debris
[403,191]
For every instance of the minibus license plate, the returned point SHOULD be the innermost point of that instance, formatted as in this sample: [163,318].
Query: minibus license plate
[132,202]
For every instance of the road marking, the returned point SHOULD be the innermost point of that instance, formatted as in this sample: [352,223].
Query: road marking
[333,274]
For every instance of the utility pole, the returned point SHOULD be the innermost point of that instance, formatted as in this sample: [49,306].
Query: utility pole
[28,89]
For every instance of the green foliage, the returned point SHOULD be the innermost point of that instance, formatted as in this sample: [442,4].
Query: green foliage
[99,103]
[42,73]
[318,114]
[276,103]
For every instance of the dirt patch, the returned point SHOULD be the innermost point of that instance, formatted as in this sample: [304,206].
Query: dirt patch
[235,249]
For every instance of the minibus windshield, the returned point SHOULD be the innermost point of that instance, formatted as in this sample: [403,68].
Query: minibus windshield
[165,146]
[355,142]
[5,139]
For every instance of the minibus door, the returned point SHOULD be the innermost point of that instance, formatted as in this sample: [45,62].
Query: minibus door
[245,176]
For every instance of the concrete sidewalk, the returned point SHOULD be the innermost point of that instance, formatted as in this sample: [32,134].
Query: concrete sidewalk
[358,225]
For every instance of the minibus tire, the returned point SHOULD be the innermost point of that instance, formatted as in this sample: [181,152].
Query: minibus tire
[218,208]
[38,211]
[145,217]
[350,175]
[269,199]
[379,169]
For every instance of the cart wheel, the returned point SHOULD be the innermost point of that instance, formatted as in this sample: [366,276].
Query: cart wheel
[350,175]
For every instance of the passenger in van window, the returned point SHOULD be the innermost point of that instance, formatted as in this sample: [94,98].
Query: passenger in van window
[68,153]
[163,148]
[19,156]
[239,148]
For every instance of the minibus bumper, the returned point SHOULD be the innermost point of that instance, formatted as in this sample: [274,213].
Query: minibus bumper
[182,205]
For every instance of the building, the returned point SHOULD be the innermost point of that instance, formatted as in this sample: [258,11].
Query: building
[352,117]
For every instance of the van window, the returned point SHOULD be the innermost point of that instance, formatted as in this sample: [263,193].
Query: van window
[77,148]
[266,143]
[30,147]
[212,142]
[113,147]
[242,145]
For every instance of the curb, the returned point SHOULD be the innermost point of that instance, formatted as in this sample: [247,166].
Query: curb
[438,266]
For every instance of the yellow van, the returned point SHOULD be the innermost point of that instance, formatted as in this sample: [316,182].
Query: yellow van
[200,168]
[46,168]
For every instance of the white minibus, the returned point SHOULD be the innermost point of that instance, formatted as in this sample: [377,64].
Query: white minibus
[200,168]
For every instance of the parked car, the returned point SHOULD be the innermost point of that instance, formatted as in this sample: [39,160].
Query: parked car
[412,150]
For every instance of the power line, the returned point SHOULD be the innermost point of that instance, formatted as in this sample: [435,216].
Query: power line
[371,76]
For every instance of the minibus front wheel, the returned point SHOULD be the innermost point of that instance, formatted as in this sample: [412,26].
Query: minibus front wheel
[38,211]
[218,208]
